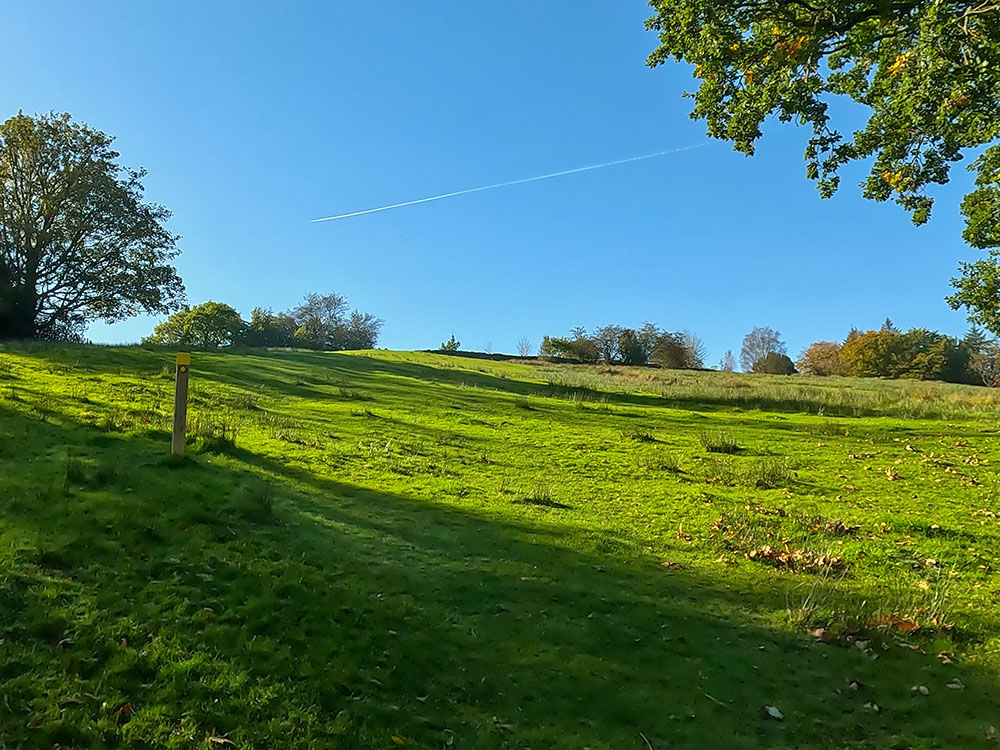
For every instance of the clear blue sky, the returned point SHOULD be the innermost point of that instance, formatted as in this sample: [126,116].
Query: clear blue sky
[253,118]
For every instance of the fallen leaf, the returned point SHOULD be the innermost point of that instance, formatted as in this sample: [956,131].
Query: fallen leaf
[922,689]
[956,684]
[992,735]
[822,635]
[123,714]
[398,740]
[872,707]
[774,713]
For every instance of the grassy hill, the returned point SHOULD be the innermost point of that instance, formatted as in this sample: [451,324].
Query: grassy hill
[387,549]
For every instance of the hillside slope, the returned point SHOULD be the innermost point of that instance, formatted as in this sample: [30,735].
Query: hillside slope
[386,549]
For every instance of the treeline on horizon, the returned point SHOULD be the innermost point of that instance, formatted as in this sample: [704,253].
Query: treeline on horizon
[322,321]
[916,354]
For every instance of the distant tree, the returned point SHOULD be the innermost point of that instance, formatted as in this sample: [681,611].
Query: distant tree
[322,322]
[580,348]
[77,241]
[918,354]
[648,335]
[670,351]
[319,317]
[606,340]
[360,331]
[889,327]
[985,364]
[523,347]
[872,354]
[697,351]
[976,340]
[774,364]
[821,358]
[548,347]
[451,345]
[678,350]
[211,325]
[630,348]
[757,344]
[267,329]
[728,361]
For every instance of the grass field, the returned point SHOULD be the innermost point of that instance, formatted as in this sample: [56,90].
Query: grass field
[387,549]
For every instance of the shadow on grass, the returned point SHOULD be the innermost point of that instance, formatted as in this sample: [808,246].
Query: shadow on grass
[169,603]
[292,373]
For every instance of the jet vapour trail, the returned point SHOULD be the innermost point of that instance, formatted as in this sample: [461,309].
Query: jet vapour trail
[508,184]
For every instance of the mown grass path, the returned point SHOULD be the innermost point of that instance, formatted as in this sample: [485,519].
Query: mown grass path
[389,549]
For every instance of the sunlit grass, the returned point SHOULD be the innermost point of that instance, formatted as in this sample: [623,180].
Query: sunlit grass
[446,551]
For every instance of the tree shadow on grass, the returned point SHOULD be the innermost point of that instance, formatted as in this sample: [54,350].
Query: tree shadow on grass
[292,373]
[178,602]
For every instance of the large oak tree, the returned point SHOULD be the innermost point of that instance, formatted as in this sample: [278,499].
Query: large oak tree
[77,241]
[926,71]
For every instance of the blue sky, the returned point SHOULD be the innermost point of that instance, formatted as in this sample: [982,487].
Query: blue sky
[253,118]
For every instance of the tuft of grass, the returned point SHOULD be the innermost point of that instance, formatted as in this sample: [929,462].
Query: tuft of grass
[719,441]
[662,461]
[639,434]
[76,471]
[828,429]
[541,494]
[523,403]
[106,473]
[256,501]
[213,438]
[766,473]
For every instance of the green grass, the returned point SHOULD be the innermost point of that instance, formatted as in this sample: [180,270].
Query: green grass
[388,549]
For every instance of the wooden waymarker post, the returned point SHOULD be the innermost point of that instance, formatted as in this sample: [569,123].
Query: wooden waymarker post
[180,403]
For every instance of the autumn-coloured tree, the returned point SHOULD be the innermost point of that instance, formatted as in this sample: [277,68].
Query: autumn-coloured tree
[820,358]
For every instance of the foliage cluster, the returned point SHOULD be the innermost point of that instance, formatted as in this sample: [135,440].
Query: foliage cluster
[917,354]
[925,72]
[614,344]
[321,322]
[78,242]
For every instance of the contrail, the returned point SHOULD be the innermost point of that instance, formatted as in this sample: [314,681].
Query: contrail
[508,184]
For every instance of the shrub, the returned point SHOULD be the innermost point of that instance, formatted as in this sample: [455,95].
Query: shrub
[775,364]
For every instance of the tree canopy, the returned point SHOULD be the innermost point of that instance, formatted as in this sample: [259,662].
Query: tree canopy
[927,71]
[320,322]
[211,325]
[77,241]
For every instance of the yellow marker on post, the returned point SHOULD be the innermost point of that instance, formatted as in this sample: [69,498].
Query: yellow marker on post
[178,438]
